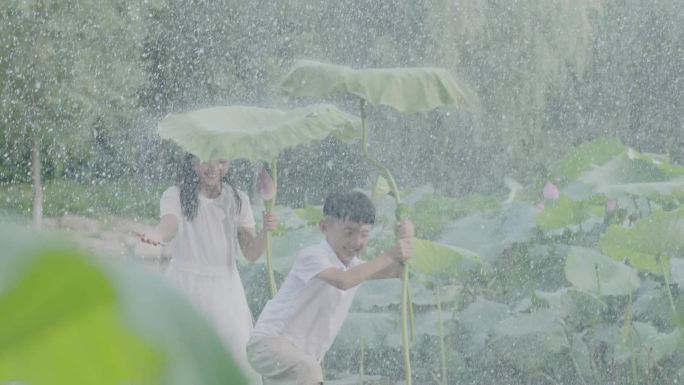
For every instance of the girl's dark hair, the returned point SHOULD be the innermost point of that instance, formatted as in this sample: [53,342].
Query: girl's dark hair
[188,183]
[353,206]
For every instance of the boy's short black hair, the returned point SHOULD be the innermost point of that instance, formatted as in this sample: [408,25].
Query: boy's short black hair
[353,206]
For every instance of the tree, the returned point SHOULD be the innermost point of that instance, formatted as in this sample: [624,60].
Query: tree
[66,65]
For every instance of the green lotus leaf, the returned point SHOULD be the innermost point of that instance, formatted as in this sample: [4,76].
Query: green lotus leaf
[432,212]
[596,273]
[633,173]
[375,328]
[677,271]
[377,294]
[529,341]
[490,236]
[404,89]
[578,308]
[310,214]
[648,344]
[564,213]
[478,321]
[581,354]
[659,235]
[587,155]
[70,319]
[288,244]
[254,133]
[437,259]
[424,290]
[426,324]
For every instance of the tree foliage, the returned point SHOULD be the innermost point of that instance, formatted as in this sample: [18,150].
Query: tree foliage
[70,74]
[546,75]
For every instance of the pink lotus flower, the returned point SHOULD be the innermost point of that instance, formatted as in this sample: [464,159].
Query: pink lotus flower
[551,191]
[611,206]
[540,206]
[264,185]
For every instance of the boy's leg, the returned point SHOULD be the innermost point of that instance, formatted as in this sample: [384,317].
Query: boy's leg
[281,362]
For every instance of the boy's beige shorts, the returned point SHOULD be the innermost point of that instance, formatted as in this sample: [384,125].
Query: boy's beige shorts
[280,362]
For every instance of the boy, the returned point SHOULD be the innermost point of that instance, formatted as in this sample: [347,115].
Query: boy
[298,326]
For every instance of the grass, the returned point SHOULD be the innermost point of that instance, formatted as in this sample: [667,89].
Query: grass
[130,198]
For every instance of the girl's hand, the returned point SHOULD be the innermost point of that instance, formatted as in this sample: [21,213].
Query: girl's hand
[151,237]
[404,229]
[270,220]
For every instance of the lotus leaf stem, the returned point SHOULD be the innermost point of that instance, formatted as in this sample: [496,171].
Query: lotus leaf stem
[362,342]
[269,249]
[665,261]
[442,345]
[405,303]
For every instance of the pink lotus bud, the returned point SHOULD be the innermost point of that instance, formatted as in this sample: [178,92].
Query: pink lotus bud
[611,205]
[264,185]
[551,191]
[540,206]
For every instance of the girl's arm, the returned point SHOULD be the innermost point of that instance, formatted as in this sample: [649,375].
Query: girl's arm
[163,232]
[252,242]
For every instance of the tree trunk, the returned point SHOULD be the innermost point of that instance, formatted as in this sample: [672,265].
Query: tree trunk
[36,168]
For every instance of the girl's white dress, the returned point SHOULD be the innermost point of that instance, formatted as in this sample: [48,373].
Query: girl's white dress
[203,265]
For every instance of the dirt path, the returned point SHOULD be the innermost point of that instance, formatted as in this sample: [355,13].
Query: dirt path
[111,237]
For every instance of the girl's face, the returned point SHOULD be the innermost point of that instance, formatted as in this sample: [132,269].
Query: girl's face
[210,174]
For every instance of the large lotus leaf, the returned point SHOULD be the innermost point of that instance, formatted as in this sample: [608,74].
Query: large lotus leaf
[488,237]
[564,213]
[651,303]
[70,319]
[647,343]
[633,173]
[375,295]
[424,290]
[677,271]
[576,307]
[404,89]
[378,294]
[375,328]
[431,213]
[580,353]
[354,379]
[596,273]
[436,259]
[477,322]
[310,214]
[529,341]
[426,324]
[657,235]
[289,243]
[587,155]
[258,134]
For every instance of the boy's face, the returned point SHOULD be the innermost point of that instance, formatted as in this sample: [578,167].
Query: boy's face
[347,238]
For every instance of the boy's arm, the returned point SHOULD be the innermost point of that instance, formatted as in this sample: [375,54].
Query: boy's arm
[344,280]
[395,270]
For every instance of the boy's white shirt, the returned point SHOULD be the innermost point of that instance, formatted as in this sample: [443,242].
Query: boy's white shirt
[308,310]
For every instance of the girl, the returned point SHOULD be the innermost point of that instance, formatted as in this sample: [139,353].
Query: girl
[209,218]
